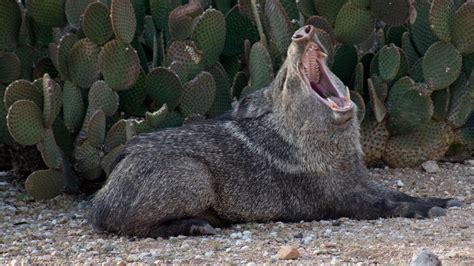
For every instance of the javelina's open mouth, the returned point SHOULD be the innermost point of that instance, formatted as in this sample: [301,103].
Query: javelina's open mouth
[315,72]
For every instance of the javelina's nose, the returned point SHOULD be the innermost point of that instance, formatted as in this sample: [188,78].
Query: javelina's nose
[304,34]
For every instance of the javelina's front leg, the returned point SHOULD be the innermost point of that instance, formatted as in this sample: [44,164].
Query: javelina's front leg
[375,201]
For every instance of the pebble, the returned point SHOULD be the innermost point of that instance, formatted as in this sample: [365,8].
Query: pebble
[236,235]
[425,258]
[400,183]
[430,167]
[288,253]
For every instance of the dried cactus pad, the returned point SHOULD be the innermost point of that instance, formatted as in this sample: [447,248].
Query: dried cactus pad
[120,65]
[82,63]
[462,30]
[209,35]
[199,94]
[96,23]
[164,87]
[25,122]
[45,184]
[123,19]
[47,12]
[441,65]
[10,19]
[353,25]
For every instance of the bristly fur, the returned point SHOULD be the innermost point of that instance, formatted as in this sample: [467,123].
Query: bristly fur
[277,156]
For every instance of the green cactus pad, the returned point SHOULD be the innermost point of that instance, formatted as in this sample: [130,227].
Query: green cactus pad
[123,20]
[441,65]
[181,20]
[156,119]
[10,19]
[416,71]
[164,87]
[440,100]
[96,23]
[47,12]
[132,101]
[25,123]
[74,10]
[22,90]
[50,152]
[462,30]
[73,107]
[280,27]
[40,35]
[10,69]
[291,9]
[118,134]
[408,109]
[329,9]
[238,29]
[245,8]
[441,17]
[82,63]
[172,119]
[45,184]
[240,81]
[109,159]
[353,25]
[187,55]
[345,60]
[410,51]
[87,161]
[460,106]
[389,62]
[376,102]
[361,3]
[260,66]
[53,54]
[141,126]
[359,78]
[120,65]
[374,135]
[209,35]
[160,12]
[102,97]
[26,56]
[420,29]
[222,102]
[431,142]
[96,129]
[49,104]
[320,23]
[394,13]
[359,102]
[198,95]
[64,48]
[231,65]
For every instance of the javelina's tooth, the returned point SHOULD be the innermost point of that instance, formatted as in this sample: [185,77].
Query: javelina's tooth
[332,104]
[348,94]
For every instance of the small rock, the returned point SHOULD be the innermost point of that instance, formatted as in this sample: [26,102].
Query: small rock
[336,223]
[299,235]
[425,258]
[430,166]
[209,253]
[469,162]
[274,234]
[400,183]
[236,235]
[288,253]
[121,263]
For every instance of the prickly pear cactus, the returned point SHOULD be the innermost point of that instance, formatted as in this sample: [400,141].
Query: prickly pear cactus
[80,78]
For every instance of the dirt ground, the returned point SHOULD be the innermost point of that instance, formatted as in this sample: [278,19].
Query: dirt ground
[57,231]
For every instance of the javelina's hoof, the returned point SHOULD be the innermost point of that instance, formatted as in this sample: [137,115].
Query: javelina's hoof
[436,212]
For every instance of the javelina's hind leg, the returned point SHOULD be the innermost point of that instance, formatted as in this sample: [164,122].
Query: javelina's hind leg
[191,226]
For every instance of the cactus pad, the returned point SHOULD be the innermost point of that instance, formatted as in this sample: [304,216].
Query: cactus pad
[109,159]
[96,23]
[320,23]
[164,87]
[420,29]
[329,9]
[441,17]
[389,62]
[123,19]
[441,65]
[74,10]
[73,107]
[394,13]
[25,122]
[156,119]
[64,48]
[10,19]
[209,35]
[87,161]
[260,66]
[118,134]
[353,25]
[160,10]
[376,102]
[407,108]
[238,29]
[132,101]
[96,129]
[82,63]
[410,51]
[181,20]
[198,95]
[189,57]
[102,97]
[120,65]
[345,60]
[49,100]
[374,135]
[280,26]
[22,90]
[240,81]
[462,30]
[359,102]
[440,100]
[9,67]
[50,152]
[460,106]
[223,100]
[47,12]
[45,184]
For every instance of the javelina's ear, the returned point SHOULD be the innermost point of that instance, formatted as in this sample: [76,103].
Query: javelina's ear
[246,108]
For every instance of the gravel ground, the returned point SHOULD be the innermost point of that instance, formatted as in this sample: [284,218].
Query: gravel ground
[56,231]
